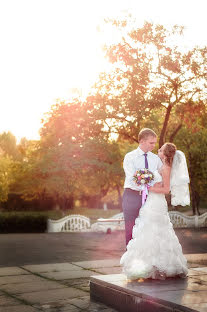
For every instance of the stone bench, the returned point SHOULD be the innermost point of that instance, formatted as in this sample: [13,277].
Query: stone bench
[178,219]
[108,225]
[71,223]
[79,223]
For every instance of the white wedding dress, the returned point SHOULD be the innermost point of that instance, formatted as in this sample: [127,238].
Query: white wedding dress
[154,250]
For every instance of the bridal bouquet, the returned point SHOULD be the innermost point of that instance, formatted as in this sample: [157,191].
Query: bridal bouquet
[143,179]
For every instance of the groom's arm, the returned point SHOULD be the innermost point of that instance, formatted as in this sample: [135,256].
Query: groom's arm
[129,170]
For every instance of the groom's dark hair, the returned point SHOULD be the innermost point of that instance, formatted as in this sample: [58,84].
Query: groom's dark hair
[145,133]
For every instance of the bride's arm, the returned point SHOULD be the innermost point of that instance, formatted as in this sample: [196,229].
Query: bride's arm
[165,187]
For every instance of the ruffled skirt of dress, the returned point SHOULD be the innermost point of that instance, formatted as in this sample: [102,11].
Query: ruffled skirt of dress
[154,250]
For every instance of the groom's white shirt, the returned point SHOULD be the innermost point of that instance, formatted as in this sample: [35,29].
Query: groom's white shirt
[134,161]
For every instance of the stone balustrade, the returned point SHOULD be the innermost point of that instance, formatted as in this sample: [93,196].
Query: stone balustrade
[71,223]
[78,223]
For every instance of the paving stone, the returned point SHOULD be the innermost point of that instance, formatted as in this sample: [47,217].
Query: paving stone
[196,271]
[51,296]
[203,270]
[19,308]
[12,271]
[70,308]
[77,304]
[59,308]
[196,284]
[19,279]
[8,301]
[82,302]
[202,278]
[83,284]
[48,296]
[69,274]
[201,307]
[76,282]
[85,303]
[54,267]
[31,287]
[113,270]
[108,263]
[84,288]
[194,265]
[197,258]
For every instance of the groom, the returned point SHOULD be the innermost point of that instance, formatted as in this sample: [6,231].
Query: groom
[140,158]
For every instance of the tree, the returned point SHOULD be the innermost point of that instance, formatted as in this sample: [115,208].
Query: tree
[71,161]
[152,77]
[9,156]
[194,144]
[6,177]
[8,145]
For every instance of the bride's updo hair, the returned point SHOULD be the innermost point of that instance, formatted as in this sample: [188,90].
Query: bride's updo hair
[169,152]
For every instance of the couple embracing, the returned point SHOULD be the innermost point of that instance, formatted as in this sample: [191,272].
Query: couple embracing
[153,249]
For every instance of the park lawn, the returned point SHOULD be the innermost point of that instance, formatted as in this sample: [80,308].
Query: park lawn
[92,214]
[187,210]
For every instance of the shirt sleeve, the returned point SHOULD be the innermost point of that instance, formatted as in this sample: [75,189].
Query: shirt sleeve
[129,170]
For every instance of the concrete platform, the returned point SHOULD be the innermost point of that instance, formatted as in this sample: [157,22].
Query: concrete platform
[172,294]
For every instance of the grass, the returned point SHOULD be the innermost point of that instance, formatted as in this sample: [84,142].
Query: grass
[92,214]
[187,210]
[50,214]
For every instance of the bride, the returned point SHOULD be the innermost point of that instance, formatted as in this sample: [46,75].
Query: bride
[154,250]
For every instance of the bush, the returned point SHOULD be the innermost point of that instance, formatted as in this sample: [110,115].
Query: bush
[36,221]
[23,223]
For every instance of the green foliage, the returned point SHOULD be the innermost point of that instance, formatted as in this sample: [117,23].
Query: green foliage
[36,222]
[73,160]
[22,224]
[8,145]
[6,176]
[153,83]
[194,145]
[51,214]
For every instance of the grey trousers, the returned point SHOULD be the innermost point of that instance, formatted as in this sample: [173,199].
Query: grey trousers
[131,204]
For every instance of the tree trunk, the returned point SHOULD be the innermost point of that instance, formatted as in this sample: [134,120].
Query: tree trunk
[165,124]
[175,133]
[195,198]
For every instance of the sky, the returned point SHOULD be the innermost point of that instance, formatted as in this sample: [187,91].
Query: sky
[50,48]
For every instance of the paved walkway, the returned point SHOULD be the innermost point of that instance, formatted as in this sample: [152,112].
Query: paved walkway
[170,295]
[22,249]
[51,272]
[59,287]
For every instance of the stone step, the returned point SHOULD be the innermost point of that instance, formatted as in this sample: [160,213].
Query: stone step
[170,295]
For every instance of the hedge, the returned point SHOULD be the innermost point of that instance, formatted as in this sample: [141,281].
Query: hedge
[23,223]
